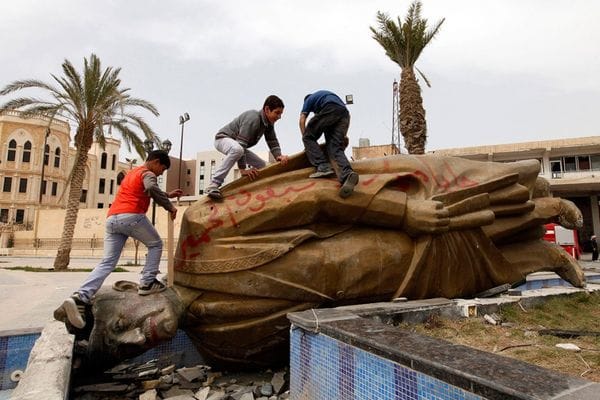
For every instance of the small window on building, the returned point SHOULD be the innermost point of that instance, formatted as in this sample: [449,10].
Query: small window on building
[44,184]
[101,185]
[100,205]
[7,186]
[595,162]
[189,171]
[112,186]
[23,185]
[113,164]
[583,163]
[54,188]
[83,198]
[4,215]
[120,178]
[103,159]
[12,150]
[20,216]
[57,158]
[27,152]
[570,165]
[46,155]
[202,163]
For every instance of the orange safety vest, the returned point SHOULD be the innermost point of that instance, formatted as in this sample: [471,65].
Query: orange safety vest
[132,196]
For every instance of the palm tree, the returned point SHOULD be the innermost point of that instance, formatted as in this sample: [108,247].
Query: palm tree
[90,101]
[403,44]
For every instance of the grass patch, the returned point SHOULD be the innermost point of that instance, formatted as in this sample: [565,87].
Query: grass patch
[38,269]
[521,340]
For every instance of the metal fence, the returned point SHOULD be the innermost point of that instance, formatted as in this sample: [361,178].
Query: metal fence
[77,244]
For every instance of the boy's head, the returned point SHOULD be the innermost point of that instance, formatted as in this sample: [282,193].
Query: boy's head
[158,161]
[273,108]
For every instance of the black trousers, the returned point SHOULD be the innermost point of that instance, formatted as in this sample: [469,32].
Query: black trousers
[333,121]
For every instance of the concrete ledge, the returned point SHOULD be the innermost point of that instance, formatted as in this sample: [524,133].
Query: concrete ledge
[48,370]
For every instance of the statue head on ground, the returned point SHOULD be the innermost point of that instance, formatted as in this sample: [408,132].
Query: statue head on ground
[127,324]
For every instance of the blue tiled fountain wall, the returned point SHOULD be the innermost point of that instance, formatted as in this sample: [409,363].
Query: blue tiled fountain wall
[323,368]
[14,353]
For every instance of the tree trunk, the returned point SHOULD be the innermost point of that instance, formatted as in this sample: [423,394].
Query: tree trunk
[63,255]
[413,126]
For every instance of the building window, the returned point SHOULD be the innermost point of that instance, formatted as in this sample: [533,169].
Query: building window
[44,187]
[54,188]
[189,171]
[20,217]
[27,152]
[7,187]
[83,198]
[4,215]
[583,163]
[103,161]
[23,185]
[113,164]
[12,150]
[120,178]
[570,165]
[46,155]
[595,162]
[101,185]
[57,158]
[100,205]
[112,185]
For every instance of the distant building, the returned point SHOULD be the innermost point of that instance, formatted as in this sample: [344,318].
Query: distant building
[23,154]
[365,150]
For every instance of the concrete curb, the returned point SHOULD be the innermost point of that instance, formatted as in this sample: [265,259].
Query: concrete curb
[48,370]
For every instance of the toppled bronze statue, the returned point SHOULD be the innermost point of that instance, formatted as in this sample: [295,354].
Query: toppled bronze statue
[416,226]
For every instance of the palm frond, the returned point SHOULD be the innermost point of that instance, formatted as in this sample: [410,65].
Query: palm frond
[25,84]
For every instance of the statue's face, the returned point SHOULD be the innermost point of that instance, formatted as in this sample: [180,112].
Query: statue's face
[127,324]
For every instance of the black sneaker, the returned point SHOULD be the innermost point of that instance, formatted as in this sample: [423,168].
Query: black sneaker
[73,309]
[214,193]
[322,174]
[348,185]
[154,287]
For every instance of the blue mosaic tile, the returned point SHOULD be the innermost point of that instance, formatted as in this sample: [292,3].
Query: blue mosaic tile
[181,344]
[14,353]
[323,368]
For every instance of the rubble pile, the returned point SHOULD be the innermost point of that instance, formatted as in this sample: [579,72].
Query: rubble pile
[160,379]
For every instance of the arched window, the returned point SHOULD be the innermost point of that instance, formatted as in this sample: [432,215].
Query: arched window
[57,158]
[114,162]
[103,161]
[46,155]
[12,150]
[27,152]
[120,177]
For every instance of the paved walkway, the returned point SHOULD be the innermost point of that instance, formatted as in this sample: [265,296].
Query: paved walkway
[27,299]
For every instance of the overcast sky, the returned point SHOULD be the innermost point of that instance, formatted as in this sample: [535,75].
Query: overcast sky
[501,71]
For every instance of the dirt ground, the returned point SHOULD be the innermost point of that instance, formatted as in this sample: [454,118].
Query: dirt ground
[519,335]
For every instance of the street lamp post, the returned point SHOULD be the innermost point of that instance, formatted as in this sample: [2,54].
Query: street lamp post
[149,146]
[182,120]
[37,212]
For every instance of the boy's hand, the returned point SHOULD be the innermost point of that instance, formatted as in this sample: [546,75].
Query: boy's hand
[173,214]
[282,159]
[175,193]
[251,173]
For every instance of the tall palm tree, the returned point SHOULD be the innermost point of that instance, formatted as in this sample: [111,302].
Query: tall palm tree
[90,101]
[403,44]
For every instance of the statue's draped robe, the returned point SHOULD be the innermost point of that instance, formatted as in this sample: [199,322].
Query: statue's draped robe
[286,242]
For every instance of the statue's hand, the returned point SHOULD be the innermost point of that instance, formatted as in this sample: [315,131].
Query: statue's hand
[425,216]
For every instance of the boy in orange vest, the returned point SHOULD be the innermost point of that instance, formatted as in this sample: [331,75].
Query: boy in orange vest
[127,218]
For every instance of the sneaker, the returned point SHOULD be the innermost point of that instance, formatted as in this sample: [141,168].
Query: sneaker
[348,185]
[214,193]
[154,287]
[322,174]
[73,309]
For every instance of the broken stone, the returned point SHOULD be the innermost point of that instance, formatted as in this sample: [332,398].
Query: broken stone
[103,387]
[202,394]
[168,370]
[277,382]
[217,395]
[149,395]
[493,319]
[266,389]
[148,385]
[181,397]
[193,373]
[247,396]
[175,391]
[149,372]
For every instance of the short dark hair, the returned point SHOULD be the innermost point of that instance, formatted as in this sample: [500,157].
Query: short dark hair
[307,96]
[161,156]
[273,102]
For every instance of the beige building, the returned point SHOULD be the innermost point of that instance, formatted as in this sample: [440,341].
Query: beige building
[31,163]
